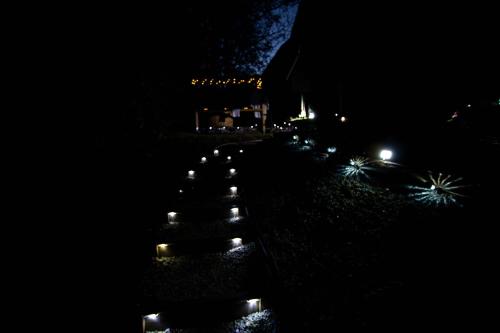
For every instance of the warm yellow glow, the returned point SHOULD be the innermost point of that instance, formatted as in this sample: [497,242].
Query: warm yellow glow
[162,246]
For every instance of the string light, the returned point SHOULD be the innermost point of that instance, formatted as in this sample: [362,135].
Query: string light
[253,81]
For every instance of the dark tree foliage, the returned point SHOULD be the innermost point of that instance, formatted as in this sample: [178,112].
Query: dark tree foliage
[157,54]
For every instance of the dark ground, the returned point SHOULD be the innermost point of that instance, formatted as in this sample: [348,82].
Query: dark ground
[384,262]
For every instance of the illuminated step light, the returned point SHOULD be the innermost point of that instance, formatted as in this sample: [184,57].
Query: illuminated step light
[161,250]
[385,154]
[236,241]
[232,171]
[153,316]
[253,301]
[216,152]
[233,190]
[241,151]
[191,173]
[203,159]
[171,216]
[229,158]
[343,119]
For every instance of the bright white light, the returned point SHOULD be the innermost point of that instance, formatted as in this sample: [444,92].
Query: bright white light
[152,316]
[331,149]
[197,128]
[162,246]
[210,128]
[311,115]
[171,216]
[216,152]
[191,172]
[295,127]
[468,105]
[385,154]
[281,127]
[336,115]
[229,158]
[433,187]
[203,159]
[306,142]
[235,211]
[223,127]
[251,126]
[236,241]
[233,189]
[181,191]
[343,119]
[241,151]
[296,137]
[232,171]
[253,301]
[284,123]
[238,127]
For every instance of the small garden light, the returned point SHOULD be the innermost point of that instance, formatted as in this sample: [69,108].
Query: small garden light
[385,154]
[152,316]
[236,241]
[233,190]
[216,152]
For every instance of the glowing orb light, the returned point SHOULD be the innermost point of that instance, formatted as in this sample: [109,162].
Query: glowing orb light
[385,154]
